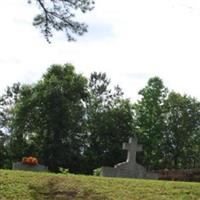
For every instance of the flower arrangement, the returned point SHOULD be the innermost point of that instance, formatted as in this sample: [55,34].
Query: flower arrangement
[30,160]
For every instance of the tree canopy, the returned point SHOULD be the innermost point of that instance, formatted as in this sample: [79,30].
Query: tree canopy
[182,131]
[150,120]
[48,118]
[168,125]
[110,122]
[70,121]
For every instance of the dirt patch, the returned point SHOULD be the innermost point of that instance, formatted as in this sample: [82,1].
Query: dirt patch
[58,188]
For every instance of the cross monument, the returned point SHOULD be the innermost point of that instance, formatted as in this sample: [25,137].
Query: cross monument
[132,147]
[130,168]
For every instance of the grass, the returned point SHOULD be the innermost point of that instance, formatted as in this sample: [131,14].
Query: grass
[18,185]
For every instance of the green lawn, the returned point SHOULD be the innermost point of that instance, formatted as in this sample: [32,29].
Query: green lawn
[29,185]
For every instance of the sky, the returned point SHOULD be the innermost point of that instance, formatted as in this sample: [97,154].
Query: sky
[130,40]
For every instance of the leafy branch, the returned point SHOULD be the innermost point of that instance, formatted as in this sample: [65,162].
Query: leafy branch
[58,15]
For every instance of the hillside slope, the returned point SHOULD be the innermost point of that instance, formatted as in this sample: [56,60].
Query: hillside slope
[29,185]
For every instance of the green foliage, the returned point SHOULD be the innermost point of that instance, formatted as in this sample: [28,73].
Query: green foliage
[7,103]
[59,15]
[150,121]
[49,118]
[97,172]
[168,127]
[181,133]
[64,122]
[63,170]
[74,123]
[2,150]
[109,123]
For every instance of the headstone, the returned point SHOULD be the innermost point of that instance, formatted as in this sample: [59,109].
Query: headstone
[130,168]
[26,167]
[132,147]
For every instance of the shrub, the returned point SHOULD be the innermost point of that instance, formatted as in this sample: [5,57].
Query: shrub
[63,170]
[97,172]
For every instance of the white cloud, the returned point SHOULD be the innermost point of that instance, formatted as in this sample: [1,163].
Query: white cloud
[131,41]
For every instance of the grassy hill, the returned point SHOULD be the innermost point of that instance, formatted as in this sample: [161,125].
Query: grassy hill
[29,185]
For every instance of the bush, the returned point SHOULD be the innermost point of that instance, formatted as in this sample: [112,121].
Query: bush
[63,170]
[97,172]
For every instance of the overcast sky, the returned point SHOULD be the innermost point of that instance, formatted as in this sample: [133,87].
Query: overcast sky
[130,40]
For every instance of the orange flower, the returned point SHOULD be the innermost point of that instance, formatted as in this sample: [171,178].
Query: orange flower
[30,160]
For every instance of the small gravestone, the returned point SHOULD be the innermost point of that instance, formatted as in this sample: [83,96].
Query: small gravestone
[26,167]
[130,168]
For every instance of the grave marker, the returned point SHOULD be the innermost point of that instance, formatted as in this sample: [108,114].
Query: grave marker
[130,168]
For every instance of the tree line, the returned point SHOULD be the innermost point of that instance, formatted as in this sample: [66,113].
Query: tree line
[70,121]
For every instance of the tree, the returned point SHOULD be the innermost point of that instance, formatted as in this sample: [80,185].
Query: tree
[109,123]
[2,149]
[150,121]
[7,102]
[59,15]
[49,118]
[5,156]
[168,125]
[182,132]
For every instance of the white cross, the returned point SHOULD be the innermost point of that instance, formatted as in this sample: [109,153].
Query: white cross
[132,148]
